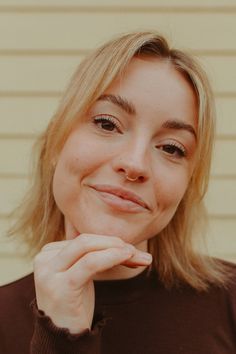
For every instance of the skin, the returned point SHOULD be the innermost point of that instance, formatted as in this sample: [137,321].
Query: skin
[114,140]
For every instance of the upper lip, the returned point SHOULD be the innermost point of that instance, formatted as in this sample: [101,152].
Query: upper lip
[122,193]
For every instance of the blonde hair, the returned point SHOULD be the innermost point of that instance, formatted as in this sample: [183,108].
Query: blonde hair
[40,221]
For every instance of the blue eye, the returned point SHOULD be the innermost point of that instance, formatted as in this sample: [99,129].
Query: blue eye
[174,150]
[106,123]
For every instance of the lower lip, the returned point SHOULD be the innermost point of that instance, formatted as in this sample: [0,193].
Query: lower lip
[120,204]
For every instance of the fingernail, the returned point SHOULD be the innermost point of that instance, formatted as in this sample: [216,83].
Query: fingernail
[146,257]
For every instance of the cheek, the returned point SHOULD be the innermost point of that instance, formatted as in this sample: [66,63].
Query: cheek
[61,185]
[78,159]
[171,187]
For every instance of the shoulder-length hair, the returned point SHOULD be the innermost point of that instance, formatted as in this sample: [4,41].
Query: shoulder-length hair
[174,254]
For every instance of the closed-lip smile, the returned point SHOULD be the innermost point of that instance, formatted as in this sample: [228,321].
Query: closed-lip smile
[122,193]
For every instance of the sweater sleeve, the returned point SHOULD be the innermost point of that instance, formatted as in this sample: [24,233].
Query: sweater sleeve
[47,338]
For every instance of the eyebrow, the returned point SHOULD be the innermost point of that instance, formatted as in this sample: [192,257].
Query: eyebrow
[128,107]
[119,101]
[179,125]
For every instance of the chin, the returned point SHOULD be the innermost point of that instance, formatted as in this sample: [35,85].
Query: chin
[118,228]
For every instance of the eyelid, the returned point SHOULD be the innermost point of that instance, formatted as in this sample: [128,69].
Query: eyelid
[175,144]
[110,118]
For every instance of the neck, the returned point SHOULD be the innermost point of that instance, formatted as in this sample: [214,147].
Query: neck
[119,272]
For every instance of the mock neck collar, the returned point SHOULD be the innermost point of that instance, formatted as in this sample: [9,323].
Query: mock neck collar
[119,291]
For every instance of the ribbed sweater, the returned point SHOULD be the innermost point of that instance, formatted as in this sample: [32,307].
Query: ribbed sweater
[132,316]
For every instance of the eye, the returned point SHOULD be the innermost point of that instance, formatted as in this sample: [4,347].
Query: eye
[174,149]
[106,122]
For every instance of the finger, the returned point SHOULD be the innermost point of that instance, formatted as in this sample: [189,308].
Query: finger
[81,245]
[139,258]
[56,245]
[48,252]
[95,262]
[43,258]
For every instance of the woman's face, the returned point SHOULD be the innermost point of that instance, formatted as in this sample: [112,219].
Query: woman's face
[142,127]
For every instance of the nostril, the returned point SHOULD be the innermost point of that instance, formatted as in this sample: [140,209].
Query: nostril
[135,179]
[131,172]
[141,178]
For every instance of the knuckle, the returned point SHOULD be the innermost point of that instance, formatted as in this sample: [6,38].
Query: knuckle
[90,262]
[119,241]
[37,260]
[47,246]
[41,276]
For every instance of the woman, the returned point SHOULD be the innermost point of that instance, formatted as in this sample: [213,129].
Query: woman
[117,197]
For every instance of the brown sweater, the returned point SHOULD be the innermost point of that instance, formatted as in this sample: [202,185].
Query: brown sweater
[134,316]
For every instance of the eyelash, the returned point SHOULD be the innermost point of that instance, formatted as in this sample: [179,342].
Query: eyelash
[178,149]
[105,118]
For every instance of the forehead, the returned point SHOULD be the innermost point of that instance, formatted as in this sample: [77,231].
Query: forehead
[155,86]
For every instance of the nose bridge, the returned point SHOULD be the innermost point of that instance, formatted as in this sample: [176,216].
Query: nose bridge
[133,159]
[136,152]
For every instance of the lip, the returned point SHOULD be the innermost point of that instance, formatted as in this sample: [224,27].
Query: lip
[122,193]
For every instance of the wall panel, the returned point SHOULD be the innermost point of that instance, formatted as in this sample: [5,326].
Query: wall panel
[23,116]
[44,41]
[33,34]
[11,191]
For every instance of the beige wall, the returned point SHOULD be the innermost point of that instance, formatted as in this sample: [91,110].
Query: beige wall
[41,43]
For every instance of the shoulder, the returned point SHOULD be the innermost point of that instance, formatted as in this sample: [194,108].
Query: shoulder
[17,293]
[16,317]
[231,285]
[228,291]
[230,270]
[17,284]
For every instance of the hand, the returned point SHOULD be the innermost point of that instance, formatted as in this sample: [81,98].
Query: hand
[64,273]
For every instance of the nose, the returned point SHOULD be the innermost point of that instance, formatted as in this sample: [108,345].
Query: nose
[132,163]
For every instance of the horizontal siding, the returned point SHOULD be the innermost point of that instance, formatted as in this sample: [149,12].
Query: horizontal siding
[9,245]
[226,122]
[23,116]
[35,31]
[118,3]
[51,73]
[221,197]
[17,152]
[16,266]
[223,81]
[33,114]
[224,151]
[11,191]
[36,74]
[16,157]
[45,40]
[222,236]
